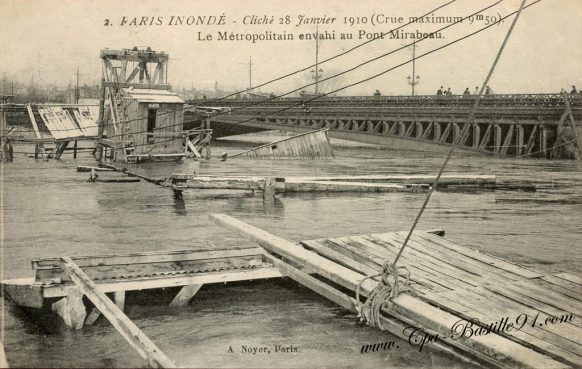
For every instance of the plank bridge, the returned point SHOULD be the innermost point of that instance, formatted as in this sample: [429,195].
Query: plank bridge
[533,125]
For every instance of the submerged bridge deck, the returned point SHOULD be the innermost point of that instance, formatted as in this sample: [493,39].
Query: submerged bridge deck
[534,125]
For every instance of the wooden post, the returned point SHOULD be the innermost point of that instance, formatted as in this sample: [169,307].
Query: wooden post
[60,149]
[520,139]
[497,137]
[119,298]
[531,140]
[100,121]
[130,332]
[207,146]
[71,309]
[75,150]
[3,129]
[92,316]
[476,135]
[543,141]
[185,295]
[269,189]
[36,133]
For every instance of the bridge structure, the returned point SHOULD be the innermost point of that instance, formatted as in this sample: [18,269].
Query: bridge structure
[517,125]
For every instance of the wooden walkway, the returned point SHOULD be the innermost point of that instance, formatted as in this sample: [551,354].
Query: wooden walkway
[481,308]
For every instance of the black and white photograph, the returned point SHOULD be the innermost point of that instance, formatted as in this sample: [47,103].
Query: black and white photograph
[291,184]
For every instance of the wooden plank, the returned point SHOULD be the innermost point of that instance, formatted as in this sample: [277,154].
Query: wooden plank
[547,297]
[570,278]
[314,284]
[523,299]
[480,310]
[426,280]
[452,179]
[193,149]
[504,307]
[109,272]
[83,168]
[185,295]
[502,349]
[294,252]
[299,185]
[148,257]
[471,268]
[339,257]
[144,283]
[33,121]
[482,257]
[449,272]
[565,287]
[128,330]
[36,132]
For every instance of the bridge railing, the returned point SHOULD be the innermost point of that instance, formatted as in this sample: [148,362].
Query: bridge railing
[504,100]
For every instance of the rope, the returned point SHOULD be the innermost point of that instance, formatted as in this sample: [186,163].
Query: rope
[384,292]
[382,295]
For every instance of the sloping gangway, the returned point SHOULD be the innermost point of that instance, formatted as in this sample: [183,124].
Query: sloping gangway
[532,125]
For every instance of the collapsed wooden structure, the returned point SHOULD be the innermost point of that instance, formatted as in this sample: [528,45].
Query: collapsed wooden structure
[308,145]
[51,124]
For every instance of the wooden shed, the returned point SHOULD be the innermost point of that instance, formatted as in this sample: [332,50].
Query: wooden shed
[152,120]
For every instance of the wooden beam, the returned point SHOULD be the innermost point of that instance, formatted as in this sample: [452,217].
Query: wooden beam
[36,132]
[531,140]
[508,140]
[314,284]
[269,189]
[128,330]
[119,298]
[92,316]
[295,253]
[3,360]
[185,295]
[60,149]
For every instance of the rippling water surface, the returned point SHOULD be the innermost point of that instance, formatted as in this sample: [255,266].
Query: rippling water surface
[50,210]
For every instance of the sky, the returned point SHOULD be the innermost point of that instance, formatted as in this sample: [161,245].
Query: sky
[47,40]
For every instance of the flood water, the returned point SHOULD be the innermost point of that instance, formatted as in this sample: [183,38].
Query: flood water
[50,210]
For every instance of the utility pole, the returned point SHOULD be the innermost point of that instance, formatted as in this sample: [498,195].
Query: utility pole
[413,81]
[77,88]
[250,73]
[77,92]
[318,71]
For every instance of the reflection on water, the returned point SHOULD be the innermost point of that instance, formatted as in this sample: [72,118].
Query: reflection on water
[50,210]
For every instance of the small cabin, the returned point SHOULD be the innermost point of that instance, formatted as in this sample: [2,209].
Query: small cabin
[153,122]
